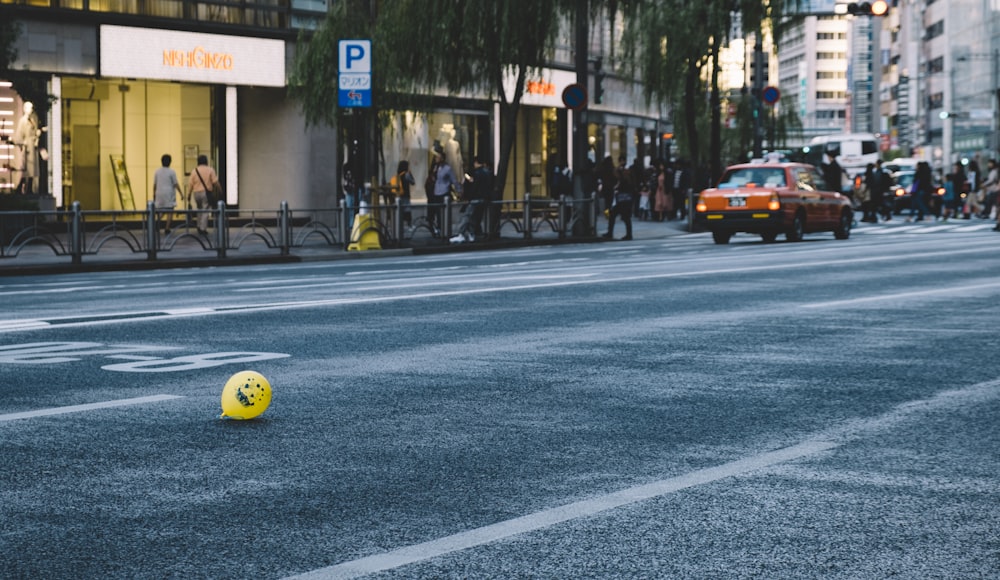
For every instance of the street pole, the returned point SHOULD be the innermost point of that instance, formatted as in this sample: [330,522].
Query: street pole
[582,225]
[758,87]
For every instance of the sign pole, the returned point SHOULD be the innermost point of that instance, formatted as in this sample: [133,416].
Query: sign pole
[583,224]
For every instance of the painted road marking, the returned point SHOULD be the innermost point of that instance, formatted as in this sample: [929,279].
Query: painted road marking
[87,407]
[550,517]
[839,434]
[605,278]
[949,291]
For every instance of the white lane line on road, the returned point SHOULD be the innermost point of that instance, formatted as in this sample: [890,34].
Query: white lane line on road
[87,407]
[604,277]
[949,291]
[550,517]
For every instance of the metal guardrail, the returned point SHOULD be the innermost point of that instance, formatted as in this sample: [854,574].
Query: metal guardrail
[78,233]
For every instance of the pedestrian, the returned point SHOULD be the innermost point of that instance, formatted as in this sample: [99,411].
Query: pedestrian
[444,183]
[879,188]
[833,173]
[165,190]
[864,196]
[351,194]
[202,180]
[952,206]
[663,204]
[681,187]
[644,211]
[606,183]
[920,190]
[991,187]
[623,199]
[477,192]
[401,185]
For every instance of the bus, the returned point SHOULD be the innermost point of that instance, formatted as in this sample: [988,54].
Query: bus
[855,150]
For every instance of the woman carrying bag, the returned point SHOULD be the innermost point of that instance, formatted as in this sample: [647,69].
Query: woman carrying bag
[202,181]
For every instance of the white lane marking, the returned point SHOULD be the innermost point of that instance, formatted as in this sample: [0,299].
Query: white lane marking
[889,230]
[550,517]
[950,291]
[606,278]
[840,434]
[392,285]
[87,407]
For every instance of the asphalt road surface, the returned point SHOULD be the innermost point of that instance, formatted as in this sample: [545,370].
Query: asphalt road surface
[657,409]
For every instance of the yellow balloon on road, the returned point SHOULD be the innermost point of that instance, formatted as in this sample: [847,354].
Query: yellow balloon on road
[245,396]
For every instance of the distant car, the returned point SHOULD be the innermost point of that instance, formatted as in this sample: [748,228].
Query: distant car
[902,198]
[770,199]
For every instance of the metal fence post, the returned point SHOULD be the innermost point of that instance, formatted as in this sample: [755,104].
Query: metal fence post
[344,225]
[151,231]
[527,216]
[562,217]
[76,233]
[446,226]
[221,230]
[284,229]
[594,212]
[399,221]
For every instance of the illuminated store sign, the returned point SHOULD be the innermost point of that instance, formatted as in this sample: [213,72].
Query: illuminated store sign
[144,53]
[544,87]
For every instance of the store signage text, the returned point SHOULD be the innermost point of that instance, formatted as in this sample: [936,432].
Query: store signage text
[541,88]
[198,58]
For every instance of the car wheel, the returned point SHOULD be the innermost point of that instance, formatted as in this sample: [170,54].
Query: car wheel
[721,237]
[843,230]
[769,237]
[794,234]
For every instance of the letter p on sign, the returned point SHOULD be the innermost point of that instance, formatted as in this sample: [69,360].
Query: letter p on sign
[355,56]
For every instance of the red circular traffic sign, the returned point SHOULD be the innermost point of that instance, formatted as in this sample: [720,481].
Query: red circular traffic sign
[574,96]
[771,95]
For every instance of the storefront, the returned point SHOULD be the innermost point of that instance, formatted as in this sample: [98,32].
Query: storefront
[122,97]
[160,92]
[543,135]
[462,132]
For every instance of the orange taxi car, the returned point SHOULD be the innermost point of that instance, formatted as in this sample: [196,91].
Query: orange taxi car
[769,199]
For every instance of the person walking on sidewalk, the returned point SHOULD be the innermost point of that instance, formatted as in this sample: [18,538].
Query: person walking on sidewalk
[202,179]
[623,199]
[477,193]
[165,188]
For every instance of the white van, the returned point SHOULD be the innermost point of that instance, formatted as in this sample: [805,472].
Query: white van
[855,150]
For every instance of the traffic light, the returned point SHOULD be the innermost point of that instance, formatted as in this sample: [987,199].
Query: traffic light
[877,8]
[598,82]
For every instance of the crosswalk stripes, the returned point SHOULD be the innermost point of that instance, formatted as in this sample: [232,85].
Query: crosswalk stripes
[911,228]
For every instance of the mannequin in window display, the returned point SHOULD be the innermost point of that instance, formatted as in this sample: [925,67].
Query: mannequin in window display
[26,135]
[452,148]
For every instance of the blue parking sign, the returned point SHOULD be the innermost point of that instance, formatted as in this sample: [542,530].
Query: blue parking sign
[354,73]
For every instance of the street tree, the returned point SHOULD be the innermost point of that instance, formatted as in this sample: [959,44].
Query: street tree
[674,46]
[421,46]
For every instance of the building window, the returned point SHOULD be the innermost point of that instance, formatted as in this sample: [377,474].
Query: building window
[936,65]
[831,55]
[935,101]
[935,30]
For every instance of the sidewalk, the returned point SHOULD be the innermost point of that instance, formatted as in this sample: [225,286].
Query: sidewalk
[188,253]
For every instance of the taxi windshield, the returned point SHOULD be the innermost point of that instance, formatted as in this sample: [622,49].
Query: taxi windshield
[759,176]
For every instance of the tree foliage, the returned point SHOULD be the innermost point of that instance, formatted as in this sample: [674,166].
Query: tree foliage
[420,46]
[673,46]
